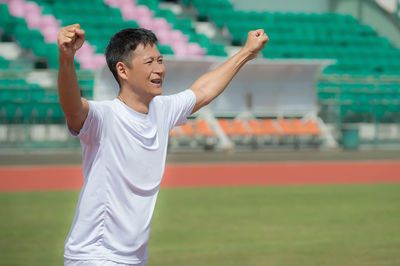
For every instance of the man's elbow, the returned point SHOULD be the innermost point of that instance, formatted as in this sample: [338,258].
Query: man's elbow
[76,116]
[206,101]
[200,103]
[75,121]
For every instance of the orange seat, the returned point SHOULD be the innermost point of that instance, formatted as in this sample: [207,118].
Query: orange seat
[226,126]
[239,127]
[255,127]
[298,127]
[187,129]
[173,132]
[203,128]
[269,127]
[286,127]
[312,128]
[233,128]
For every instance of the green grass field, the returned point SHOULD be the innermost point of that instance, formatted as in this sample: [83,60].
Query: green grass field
[292,225]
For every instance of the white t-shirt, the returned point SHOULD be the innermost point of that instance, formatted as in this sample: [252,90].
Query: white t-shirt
[123,162]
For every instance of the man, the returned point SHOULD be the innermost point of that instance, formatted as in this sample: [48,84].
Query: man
[124,141]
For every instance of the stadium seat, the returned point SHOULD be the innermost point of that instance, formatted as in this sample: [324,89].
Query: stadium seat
[286,127]
[233,127]
[312,128]
[255,127]
[269,128]
[187,129]
[203,128]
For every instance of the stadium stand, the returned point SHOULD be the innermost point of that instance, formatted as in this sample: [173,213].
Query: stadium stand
[362,86]
[23,102]
[256,132]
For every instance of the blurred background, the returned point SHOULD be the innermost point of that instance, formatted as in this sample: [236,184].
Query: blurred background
[329,77]
[325,88]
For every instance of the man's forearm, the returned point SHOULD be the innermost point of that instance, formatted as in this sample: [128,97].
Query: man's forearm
[214,82]
[68,88]
[75,108]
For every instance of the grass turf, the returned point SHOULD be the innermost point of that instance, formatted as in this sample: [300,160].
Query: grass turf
[293,225]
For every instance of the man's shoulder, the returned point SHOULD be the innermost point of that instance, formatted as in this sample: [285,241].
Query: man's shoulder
[161,99]
[102,104]
[166,98]
[102,108]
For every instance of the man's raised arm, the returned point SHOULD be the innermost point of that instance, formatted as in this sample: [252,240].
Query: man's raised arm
[75,108]
[213,83]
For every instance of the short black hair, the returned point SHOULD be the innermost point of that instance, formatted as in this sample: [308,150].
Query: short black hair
[122,45]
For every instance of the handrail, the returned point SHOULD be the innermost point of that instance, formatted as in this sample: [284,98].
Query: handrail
[393,17]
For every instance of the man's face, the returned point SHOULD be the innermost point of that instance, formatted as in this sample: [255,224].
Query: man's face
[147,71]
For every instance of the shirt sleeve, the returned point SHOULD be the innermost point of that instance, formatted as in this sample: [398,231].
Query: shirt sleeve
[91,129]
[179,107]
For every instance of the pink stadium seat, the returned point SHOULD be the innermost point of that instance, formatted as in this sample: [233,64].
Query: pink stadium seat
[47,24]
[187,49]
[84,51]
[31,9]
[143,12]
[16,8]
[91,61]
[147,23]
[129,13]
[98,61]
[33,21]
[177,36]
[163,36]
[50,34]
[49,21]
[160,24]
[124,3]
[144,16]
[87,62]
[194,49]
[50,28]
[180,49]
[137,13]
[114,3]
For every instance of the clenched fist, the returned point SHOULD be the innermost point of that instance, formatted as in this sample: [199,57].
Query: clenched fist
[70,39]
[256,41]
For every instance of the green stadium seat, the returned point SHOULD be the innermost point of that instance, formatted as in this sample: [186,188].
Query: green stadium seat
[216,50]
[165,49]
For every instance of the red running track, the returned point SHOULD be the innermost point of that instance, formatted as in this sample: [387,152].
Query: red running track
[28,178]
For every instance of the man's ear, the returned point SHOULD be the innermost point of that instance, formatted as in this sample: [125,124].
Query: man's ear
[122,70]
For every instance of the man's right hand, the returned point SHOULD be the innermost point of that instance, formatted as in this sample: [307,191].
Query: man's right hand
[70,39]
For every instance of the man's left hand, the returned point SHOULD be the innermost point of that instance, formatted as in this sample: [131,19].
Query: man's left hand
[256,41]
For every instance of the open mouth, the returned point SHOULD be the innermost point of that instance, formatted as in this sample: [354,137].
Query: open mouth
[156,81]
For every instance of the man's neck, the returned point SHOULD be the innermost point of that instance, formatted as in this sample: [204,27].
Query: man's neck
[134,101]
